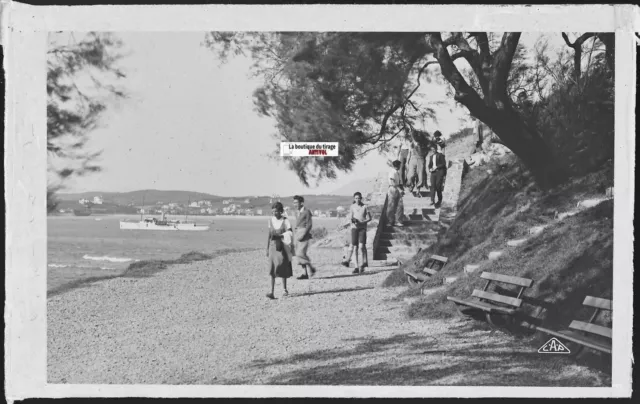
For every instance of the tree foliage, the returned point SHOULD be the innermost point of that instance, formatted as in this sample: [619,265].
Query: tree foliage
[353,88]
[576,113]
[357,89]
[80,77]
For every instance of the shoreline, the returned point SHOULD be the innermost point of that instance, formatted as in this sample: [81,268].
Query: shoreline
[219,217]
[146,268]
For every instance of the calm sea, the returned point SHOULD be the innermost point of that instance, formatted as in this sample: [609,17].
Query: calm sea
[94,246]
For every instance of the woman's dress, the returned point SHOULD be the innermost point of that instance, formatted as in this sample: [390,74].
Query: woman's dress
[279,253]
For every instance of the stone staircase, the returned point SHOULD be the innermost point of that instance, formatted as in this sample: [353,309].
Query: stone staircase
[393,245]
[420,230]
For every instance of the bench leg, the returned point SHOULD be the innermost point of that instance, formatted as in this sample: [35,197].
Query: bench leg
[462,313]
[575,348]
[578,350]
[495,327]
[413,282]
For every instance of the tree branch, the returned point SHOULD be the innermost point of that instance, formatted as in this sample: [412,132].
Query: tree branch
[463,91]
[501,62]
[577,51]
[483,43]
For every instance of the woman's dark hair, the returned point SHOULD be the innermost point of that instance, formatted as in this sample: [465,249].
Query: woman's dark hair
[298,198]
[396,163]
[278,207]
[437,133]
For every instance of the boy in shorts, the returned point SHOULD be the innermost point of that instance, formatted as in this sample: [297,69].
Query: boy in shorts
[360,216]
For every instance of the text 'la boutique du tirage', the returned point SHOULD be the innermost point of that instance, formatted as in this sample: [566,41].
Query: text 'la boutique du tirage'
[299,149]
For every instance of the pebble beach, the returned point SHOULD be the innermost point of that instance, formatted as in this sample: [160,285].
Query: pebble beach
[209,322]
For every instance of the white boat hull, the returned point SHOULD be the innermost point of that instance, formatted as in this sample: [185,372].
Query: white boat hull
[168,227]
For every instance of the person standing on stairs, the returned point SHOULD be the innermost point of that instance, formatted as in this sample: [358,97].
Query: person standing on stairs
[404,153]
[394,196]
[419,150]
[438,170]
[360,216]
[302,235]
[437,139]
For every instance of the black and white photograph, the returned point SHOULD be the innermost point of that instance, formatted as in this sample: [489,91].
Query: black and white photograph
[321,208]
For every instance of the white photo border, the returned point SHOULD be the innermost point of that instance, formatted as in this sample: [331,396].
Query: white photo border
[24,33]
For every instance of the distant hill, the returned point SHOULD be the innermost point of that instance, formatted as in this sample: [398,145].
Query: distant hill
[153,197]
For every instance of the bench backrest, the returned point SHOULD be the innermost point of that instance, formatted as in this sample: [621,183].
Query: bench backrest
[589,327]
[494,297]
[435,263]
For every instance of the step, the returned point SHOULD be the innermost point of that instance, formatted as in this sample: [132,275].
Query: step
[408,236]
[422,227]
[394,256]
[471,268]
[495,254]
[429,219]
[405,243]
[424,218]
[419,211]
[382,263]
[420,204]
[516,243]
[399,249]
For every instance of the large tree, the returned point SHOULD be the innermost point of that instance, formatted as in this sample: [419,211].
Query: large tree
[359,89]
[82,77]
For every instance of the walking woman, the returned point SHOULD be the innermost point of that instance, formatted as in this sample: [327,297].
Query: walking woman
[278,248]
[360,216]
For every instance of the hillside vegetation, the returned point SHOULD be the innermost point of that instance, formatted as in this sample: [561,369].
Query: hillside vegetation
[570,259]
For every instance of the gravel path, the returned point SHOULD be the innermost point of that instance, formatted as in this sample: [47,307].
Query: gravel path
[209,322]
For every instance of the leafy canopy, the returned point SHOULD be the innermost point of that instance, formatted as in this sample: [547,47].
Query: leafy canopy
[80,73]
[352,88]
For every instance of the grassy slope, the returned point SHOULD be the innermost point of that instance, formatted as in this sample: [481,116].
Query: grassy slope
[570,259]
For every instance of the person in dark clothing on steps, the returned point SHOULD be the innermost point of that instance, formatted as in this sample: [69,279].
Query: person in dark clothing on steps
[438,170]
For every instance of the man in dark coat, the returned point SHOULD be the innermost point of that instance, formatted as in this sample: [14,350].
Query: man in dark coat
[438,170]
[302,236]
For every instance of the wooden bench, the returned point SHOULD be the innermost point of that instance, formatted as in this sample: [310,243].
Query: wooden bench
[493,303]
[587,334]
[434,264]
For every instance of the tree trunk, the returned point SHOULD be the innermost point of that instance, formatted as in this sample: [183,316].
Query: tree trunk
[496,110]
[528,145]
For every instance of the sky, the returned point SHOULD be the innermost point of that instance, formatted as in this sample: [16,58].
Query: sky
[189,124]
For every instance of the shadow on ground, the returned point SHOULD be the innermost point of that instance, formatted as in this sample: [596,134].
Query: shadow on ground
[349,275]
[330,291]
[456,358]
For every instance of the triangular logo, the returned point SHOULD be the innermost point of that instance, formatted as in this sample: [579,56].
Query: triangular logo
[554,346]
